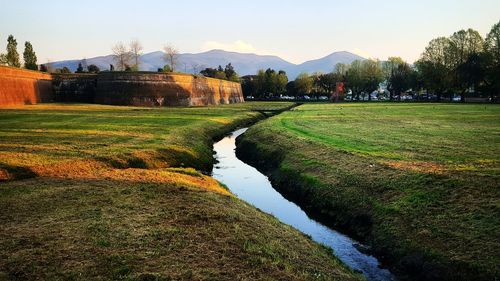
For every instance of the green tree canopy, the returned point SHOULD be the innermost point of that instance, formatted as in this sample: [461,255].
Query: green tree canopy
[435,67]
[93,68]
[79,69]
[3,59]
[29,57]
[464,55]
[303,84]
[227,73]
[63,70]
[12,55]
[492,64]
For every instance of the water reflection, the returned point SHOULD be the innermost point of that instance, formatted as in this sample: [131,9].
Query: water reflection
[250,185]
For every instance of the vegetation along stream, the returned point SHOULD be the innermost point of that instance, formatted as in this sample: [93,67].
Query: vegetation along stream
[253,187]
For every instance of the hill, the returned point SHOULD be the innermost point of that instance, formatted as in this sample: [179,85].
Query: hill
[244,63]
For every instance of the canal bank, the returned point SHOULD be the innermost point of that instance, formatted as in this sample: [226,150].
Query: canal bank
[344,165]
[248,184]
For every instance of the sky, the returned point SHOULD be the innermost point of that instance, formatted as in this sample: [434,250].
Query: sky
[294,30]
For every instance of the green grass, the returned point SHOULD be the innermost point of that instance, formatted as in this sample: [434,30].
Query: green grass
[41,136]
[420,182]
[93,192]
[116,229]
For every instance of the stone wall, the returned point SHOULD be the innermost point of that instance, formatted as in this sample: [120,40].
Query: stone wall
[21,86]
[163,89]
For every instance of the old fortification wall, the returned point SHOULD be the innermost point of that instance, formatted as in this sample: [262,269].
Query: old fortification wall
[21,86]
[74,87]
[163,89]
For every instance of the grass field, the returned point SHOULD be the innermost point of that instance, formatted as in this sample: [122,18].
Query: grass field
[419,182]
[117,193]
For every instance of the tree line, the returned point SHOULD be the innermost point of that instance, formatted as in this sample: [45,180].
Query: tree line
[11,58]
[462,64]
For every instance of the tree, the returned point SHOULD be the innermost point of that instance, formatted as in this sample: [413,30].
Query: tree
[327,82]
[290,89]
[389,67]
[464,49]
[171,56]
[435,68]
[230,74]
[259,82]
[63,70]
[354,79]
[226,73]
[492,61]
[372,75]
[217,73]
[472,72]
[49,66]
[121,55]
[248,85]
[401,78]
[364,77]
[12,55]
[196,67]
[93,68]
[269,86]
[43,68]
[136,52]
[79,69]
[85,65]
[3,59]
[166,68]
[29,57]
[341,69]
[281,82]
[266,83]
[209,72]
[220,75]
[303,84]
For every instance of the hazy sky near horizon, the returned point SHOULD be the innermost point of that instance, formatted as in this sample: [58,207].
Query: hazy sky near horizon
[294,30]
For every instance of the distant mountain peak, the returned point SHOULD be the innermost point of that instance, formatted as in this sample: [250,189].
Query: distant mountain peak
[244,63]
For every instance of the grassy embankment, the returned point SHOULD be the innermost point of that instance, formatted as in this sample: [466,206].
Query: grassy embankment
[106,193]
[419,182]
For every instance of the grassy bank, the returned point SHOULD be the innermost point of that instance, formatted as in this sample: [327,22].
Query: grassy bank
[39,139]
[419,182]
[107,193]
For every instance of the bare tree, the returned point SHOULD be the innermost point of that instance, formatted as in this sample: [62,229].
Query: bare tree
[196,67]
[121,55]
[136,52]
[49,66]
[171,56]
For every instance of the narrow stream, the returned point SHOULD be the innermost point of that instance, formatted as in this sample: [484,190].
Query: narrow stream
[252,186]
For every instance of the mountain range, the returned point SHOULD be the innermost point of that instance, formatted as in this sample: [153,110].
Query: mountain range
[243,63]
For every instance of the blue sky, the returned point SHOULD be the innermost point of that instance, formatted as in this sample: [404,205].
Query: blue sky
[295,30]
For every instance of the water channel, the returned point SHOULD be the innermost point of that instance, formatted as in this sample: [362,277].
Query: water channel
[250,185]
